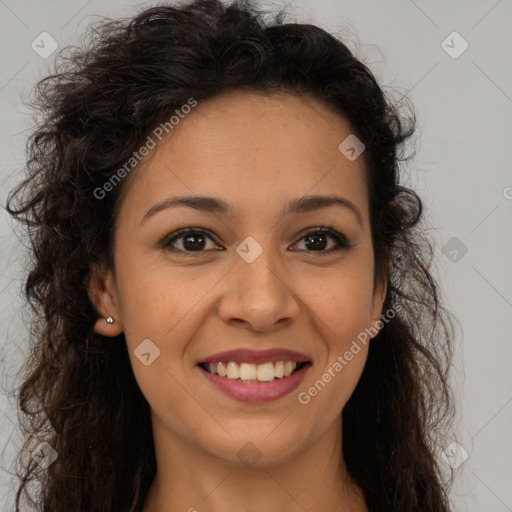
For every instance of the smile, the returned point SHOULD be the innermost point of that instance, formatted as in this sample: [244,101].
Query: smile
[248,372]
[248,382]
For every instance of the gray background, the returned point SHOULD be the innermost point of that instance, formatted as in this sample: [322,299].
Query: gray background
[461,170]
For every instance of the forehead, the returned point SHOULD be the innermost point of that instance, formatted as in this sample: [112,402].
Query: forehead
[241,123]
[252,149]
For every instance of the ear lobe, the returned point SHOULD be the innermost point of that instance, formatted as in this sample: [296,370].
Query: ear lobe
[378,301]
[102,294]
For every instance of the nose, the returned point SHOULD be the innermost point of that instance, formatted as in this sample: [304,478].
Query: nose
[259,295]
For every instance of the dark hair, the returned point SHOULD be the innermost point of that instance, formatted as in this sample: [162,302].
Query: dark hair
[79,393]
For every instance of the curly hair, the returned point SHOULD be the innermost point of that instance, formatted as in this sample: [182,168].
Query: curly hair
[78,393]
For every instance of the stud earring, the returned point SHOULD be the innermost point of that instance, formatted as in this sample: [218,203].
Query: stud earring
[109,320]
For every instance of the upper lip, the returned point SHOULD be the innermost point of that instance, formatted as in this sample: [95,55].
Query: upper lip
[247,355]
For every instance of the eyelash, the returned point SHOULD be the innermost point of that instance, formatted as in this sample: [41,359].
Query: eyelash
[341,241]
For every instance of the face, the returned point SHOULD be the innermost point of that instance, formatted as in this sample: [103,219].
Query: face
[258,275]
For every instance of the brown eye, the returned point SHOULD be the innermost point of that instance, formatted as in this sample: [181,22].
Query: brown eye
[317,241]
[191,240]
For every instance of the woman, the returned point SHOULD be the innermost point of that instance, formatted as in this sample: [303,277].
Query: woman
[235,309]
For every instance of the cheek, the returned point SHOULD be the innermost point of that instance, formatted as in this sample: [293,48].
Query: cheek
[160,310]
[155,300]
[342,359]
[342,301]
[166,307]
[342,311]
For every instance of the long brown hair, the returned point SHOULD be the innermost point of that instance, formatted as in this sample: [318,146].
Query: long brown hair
[78,392]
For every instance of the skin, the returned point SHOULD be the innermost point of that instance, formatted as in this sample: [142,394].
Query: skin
[256,152]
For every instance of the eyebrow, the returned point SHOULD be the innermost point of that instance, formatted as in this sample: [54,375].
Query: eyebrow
[219,206]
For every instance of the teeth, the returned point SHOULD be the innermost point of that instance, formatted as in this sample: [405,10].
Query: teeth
[248,372]
[279,369]
[233,370]
[221,369]
[288,368]
[266,372]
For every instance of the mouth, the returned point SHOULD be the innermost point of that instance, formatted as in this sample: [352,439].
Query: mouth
[250,382]
[250,372]
[249,375]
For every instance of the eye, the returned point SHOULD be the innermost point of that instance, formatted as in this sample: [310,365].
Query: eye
[317,241]
[190,240]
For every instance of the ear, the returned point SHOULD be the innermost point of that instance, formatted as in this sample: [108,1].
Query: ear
[379,296]
[103,296]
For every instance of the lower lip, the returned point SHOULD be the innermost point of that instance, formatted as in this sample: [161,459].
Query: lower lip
[257,391]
